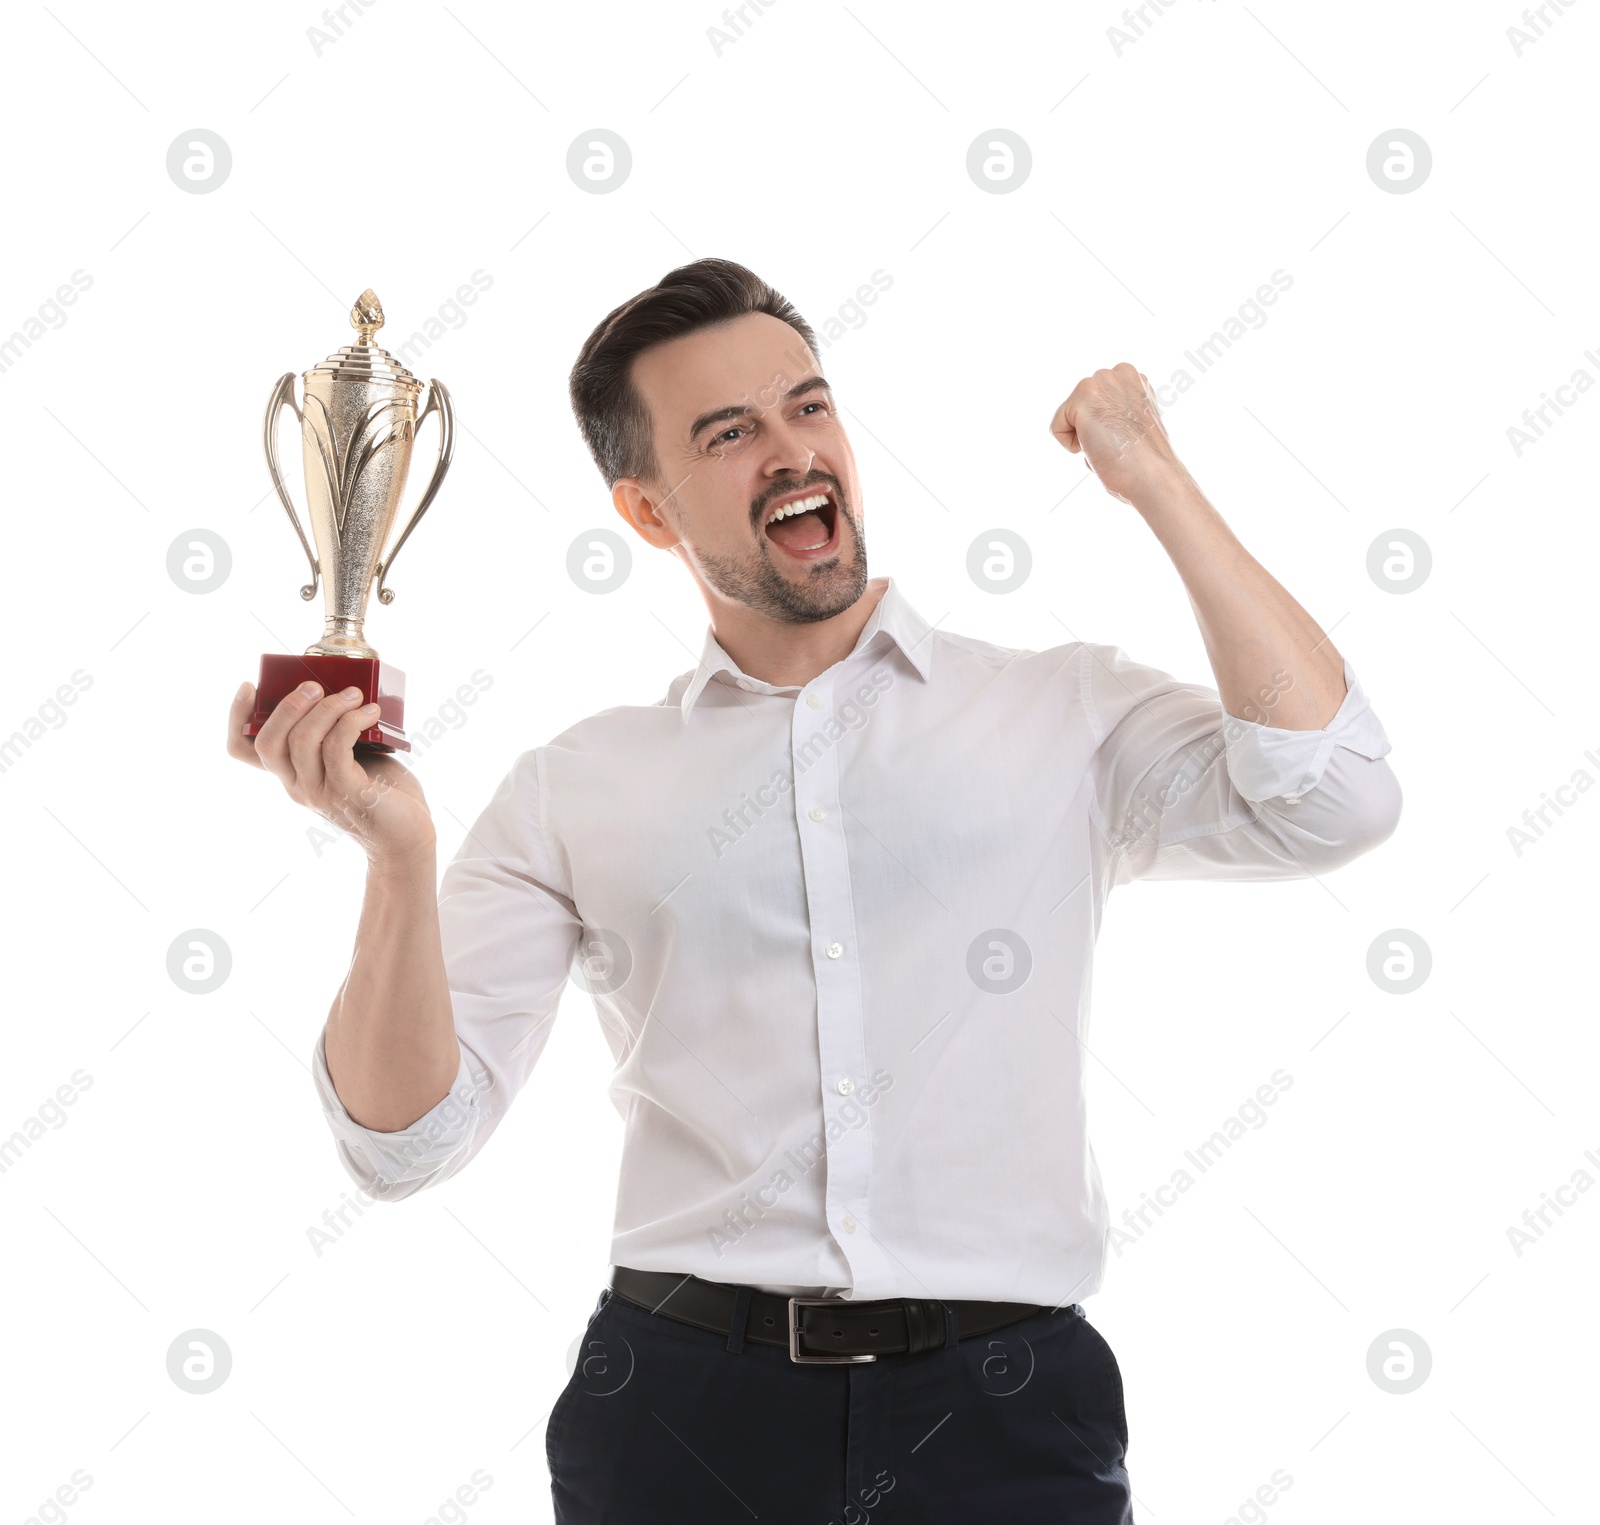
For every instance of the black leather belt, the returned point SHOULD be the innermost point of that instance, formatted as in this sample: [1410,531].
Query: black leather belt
[815,1330]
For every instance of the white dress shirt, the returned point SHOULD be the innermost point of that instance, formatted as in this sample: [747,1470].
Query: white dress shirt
[839,939]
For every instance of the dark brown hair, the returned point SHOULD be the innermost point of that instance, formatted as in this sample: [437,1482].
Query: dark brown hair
[610,412]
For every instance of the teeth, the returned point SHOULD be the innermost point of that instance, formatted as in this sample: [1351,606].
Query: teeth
[804,505]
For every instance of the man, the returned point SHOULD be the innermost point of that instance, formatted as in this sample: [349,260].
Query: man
[835,897]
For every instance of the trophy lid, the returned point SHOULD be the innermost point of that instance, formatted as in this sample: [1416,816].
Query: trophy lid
[365,361]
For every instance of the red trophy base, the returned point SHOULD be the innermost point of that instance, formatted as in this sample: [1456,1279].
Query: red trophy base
[281,675]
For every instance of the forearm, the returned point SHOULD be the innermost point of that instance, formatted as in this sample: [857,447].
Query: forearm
[390,1041]
[1273,663]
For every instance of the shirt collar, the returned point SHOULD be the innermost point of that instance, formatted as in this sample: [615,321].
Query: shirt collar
[894,618]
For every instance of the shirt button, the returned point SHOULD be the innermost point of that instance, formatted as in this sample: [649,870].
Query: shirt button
[818,813]
[745,684]
[849,1225]
[814,702]
[835,950]
[846,1085]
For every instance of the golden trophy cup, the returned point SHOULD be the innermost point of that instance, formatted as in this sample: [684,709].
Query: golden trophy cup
[358,424]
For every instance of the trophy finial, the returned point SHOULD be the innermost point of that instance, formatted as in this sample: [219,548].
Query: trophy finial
[366,317]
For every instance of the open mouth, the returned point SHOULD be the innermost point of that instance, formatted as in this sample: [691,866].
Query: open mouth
[806,526]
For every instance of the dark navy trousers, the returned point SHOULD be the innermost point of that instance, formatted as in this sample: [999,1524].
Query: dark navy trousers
[663,1422]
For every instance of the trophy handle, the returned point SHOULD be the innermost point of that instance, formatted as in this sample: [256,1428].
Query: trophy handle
[283,397]
[438,402]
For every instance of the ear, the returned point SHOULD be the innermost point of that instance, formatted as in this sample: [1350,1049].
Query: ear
[637,502]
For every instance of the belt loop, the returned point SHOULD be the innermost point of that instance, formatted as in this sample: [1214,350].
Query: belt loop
[741,1316]
[952,1330]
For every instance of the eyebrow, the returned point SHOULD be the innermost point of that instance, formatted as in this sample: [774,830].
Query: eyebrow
[743,410]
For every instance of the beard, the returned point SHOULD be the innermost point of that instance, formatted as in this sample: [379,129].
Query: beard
[829,588]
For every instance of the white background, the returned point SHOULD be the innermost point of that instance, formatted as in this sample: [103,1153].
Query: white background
[1172,174]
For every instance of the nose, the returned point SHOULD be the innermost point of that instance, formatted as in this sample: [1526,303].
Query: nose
[786,453]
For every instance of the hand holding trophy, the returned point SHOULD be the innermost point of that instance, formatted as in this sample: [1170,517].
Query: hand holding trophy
[358,424]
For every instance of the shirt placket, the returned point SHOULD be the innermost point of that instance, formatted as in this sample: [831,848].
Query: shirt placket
[835,954]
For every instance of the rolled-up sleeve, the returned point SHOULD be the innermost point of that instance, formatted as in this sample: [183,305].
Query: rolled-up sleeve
[1184,790]
[508,928]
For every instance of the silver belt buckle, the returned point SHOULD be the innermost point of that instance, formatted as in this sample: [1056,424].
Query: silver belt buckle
[794,1335]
